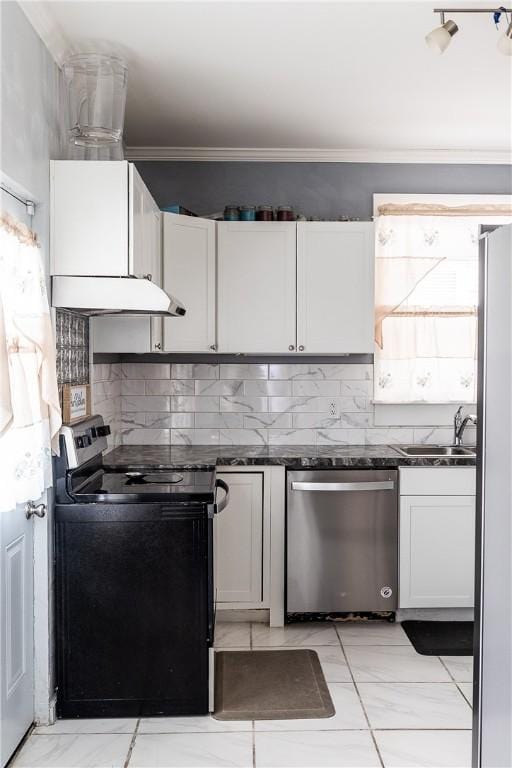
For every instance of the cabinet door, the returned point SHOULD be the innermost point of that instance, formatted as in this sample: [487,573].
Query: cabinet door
[256,286]
[144,220]
[238,552]
[89,218]
[126,333]
[189,274]
[335,287]
[437,551]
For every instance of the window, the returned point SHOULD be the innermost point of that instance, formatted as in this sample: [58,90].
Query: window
[426,305]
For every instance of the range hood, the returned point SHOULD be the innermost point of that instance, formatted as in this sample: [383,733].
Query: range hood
[113,295]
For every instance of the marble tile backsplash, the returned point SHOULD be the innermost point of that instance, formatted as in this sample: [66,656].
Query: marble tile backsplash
[106,398]
[246,404]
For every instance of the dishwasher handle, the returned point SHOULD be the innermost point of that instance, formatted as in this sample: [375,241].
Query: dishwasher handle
[381,485]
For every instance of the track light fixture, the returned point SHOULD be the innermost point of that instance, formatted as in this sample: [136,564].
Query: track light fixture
[440,38]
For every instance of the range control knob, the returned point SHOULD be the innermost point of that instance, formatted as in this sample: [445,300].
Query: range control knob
[79,442]
[103,431]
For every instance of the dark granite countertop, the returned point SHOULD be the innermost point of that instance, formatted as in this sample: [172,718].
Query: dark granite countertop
[290,456]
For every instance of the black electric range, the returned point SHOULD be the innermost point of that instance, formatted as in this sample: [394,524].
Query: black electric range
[134,583]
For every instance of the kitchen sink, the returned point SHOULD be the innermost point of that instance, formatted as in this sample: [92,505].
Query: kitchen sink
[436,451]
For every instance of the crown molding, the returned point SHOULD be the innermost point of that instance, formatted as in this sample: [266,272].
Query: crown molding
[284,155]
[43,22]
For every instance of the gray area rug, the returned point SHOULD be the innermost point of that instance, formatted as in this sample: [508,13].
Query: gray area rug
[270,685]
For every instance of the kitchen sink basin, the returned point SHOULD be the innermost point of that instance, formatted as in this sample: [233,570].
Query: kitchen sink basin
[436,451]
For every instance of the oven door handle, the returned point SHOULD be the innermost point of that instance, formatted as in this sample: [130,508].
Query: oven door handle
[384,485]
[222,504]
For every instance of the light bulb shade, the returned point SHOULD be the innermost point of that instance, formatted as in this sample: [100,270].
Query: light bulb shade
[439,39]
[505,42]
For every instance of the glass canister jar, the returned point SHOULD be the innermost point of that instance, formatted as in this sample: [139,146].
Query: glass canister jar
[231,213]
[96,91]
[247,213]
[285,213]
[265,213]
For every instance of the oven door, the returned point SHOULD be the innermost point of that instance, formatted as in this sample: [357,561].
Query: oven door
[131,604]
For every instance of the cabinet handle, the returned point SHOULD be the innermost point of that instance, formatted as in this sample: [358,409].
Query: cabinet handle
[39,510]
[149,276]
[213,347]
[158,345]
[291,347]
[301,348]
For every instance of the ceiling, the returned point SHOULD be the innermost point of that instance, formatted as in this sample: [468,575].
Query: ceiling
[332,77]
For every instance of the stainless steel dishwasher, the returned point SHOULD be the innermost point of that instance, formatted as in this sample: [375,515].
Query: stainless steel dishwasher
[342,541]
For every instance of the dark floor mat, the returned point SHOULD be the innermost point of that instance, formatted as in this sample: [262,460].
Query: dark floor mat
[270,685]
[441,638]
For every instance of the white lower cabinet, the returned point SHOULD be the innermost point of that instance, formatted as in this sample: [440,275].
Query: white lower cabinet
[437,539]
[238,543]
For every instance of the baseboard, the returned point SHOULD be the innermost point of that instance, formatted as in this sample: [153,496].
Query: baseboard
[435,614]
[261,615]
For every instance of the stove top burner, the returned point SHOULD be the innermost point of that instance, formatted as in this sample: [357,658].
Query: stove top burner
[141,478]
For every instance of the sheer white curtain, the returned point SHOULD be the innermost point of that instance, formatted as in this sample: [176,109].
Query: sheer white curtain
[426,308]
[30,415]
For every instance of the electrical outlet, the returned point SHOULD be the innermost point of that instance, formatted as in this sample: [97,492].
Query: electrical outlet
[333,408]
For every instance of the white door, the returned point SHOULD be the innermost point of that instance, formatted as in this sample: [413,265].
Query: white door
[17,629]
[238,554]
[335,287]
[256,286]
[437,551]
[189,274]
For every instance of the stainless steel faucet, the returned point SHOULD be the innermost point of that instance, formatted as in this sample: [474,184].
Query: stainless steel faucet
[460,423]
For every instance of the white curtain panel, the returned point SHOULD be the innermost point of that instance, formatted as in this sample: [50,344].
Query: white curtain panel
[426,309]
[30,415]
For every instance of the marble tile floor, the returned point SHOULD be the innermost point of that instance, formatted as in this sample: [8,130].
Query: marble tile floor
[394,709]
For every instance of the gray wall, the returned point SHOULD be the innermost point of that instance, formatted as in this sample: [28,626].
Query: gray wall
[316,189]
[30,117]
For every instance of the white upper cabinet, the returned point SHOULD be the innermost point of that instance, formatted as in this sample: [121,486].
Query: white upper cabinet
[104,221]
[189,272]
[145,253]
[335,287]
[256,286]
[126,333]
